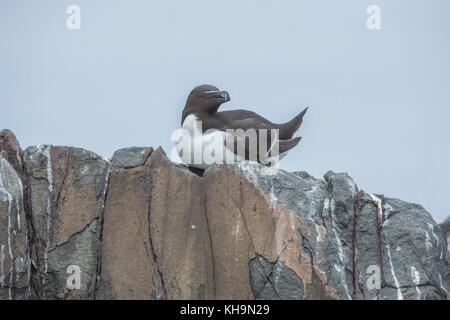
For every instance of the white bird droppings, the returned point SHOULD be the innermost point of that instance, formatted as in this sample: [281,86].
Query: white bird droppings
[397,284]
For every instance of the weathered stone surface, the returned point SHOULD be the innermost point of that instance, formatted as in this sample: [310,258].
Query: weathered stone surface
[415,259]
[179,230]
[366,240]
[445,226]
[301,206]
[14,260]
[67,196]
[81,250]
[274,281]
[10,149]
[15,270]
[154,234]
[141,227]
[128,269]
[130,157]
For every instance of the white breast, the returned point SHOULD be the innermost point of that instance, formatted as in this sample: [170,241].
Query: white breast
[191,124]
[202,150]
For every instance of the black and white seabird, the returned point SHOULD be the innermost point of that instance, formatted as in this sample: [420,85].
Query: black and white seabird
[209,130]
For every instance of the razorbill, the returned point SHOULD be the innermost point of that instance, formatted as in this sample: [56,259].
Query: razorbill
[208,136]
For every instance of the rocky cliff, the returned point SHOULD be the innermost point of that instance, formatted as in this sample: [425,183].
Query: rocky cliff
[141,227]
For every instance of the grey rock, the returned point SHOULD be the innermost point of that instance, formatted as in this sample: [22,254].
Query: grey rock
[14,255]
[359,234]
[131,157]
[415,259]
[67,188]
[260,269]
[81,251]
[445,227]
[367,246]
[274,281]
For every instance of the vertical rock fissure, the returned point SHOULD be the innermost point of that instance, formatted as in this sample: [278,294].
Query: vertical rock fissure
[100,232]
[306,248]
[163,294]
[268,277]
[189,212]
[340,269]
[378,225]
[33,275]
[205,212]
[357,211]
[47,152]
[166,210]
[63,180]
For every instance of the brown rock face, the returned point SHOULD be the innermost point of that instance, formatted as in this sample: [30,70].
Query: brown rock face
[154,234]
[10,149]
[127,264]
[76,226]
[169,234]
[249,228]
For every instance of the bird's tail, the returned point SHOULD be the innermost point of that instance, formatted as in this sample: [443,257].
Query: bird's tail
[288,129]
[282,146]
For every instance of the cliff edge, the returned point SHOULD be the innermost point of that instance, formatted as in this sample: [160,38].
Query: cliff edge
[142,227]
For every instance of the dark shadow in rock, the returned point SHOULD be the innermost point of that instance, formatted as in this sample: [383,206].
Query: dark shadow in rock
[274,281]
[197,171]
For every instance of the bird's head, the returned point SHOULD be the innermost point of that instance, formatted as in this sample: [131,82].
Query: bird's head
[205,99]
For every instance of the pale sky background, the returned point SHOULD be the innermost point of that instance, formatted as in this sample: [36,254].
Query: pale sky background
[379,99]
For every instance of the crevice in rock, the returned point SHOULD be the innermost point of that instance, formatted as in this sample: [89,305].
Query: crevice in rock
[412,286]
[63,180]
[72,236]
[379,225]
[147,155]
[47,153]
[35,290]
[333,227]
[166,210]
[210,243]
[320,213]
[391,214]
[100,232]
[315,280]
[159,295]
[357,211]
[267,277]
[163,295]
[196,171]
[189,210]
[306,247]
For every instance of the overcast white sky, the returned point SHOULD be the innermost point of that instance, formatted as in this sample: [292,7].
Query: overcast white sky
[379,99]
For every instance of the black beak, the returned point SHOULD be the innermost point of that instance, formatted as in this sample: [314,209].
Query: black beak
[226,96]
